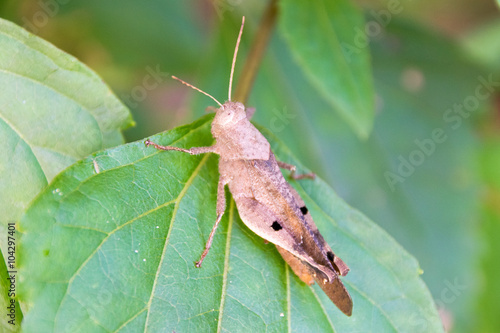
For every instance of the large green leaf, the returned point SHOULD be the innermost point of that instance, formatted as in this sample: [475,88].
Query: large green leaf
[53,111]
[327,38]
[110,245]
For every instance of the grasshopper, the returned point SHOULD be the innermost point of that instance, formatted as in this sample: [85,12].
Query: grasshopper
[266,202]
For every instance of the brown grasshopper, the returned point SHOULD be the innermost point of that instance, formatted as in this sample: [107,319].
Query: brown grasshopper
[266,203]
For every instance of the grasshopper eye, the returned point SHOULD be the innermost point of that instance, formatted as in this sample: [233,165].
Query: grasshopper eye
[226,117]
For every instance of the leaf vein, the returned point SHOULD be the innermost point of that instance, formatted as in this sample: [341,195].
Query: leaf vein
[130,319]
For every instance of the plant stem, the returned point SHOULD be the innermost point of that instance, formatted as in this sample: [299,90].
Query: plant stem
[256,53]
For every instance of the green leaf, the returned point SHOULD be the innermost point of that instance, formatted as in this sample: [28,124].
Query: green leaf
[53,111]
[110,245]
[328,41]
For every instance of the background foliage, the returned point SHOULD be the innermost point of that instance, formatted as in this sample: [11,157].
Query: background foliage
[426,58]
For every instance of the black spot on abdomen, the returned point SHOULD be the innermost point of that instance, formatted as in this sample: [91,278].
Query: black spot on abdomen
[330,255]
[304,210]
[276,226]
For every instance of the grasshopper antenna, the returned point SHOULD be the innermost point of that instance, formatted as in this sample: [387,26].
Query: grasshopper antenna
[234,57]
[191,86]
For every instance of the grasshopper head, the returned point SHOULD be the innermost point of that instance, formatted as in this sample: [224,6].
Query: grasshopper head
[229,115]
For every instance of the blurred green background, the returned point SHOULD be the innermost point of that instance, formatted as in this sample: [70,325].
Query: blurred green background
[430,57]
